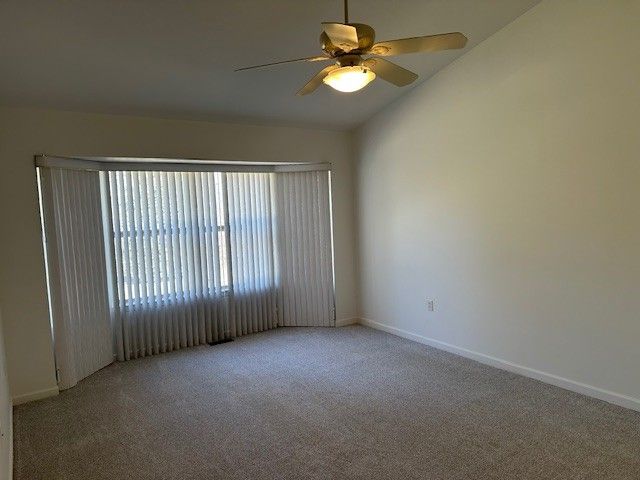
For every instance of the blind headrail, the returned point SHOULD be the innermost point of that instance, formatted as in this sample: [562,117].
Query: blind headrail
[106,164]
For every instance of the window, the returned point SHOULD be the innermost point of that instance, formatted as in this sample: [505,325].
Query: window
[152,261]
[170,235]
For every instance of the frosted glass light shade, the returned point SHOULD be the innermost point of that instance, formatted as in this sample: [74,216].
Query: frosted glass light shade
[349,79]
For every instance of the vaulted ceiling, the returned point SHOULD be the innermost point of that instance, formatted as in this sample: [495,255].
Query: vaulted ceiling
[175,58]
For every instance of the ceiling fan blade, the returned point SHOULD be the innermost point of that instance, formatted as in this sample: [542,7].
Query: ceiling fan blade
[390,72]
[429,43]
[342,36]
[316,81]
[307,59]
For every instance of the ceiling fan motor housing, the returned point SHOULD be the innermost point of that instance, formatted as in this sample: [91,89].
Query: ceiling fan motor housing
[349,60]
[366,39]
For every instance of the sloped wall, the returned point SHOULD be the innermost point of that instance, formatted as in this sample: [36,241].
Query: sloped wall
[506,188]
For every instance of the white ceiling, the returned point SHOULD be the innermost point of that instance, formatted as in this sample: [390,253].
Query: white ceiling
[175,58]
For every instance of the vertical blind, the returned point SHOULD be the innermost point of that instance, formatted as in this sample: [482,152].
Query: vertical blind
[169,254]
[304,239]
[78,278]
[253,290]
[193,257]
[164,260]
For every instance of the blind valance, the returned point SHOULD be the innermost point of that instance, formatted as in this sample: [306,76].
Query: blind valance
[126,164]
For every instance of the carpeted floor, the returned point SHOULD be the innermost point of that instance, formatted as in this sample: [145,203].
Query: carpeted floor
[341,403]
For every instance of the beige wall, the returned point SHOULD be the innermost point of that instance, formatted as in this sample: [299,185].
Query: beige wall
[507,187]
[6,417]
[24,133]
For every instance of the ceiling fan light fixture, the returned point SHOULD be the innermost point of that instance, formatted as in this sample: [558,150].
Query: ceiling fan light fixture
[349,79]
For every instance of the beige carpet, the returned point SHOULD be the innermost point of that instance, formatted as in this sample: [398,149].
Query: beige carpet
[340,403]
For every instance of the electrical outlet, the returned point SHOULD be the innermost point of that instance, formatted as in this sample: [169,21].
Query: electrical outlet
[431,305]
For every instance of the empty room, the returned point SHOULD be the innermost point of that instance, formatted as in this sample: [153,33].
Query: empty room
[328,239]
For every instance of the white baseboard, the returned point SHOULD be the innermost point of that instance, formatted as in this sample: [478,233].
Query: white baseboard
[10,466]
[343,322]
[38,395]
[589,390]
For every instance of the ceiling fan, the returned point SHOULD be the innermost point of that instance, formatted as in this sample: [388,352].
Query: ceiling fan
[346,44]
